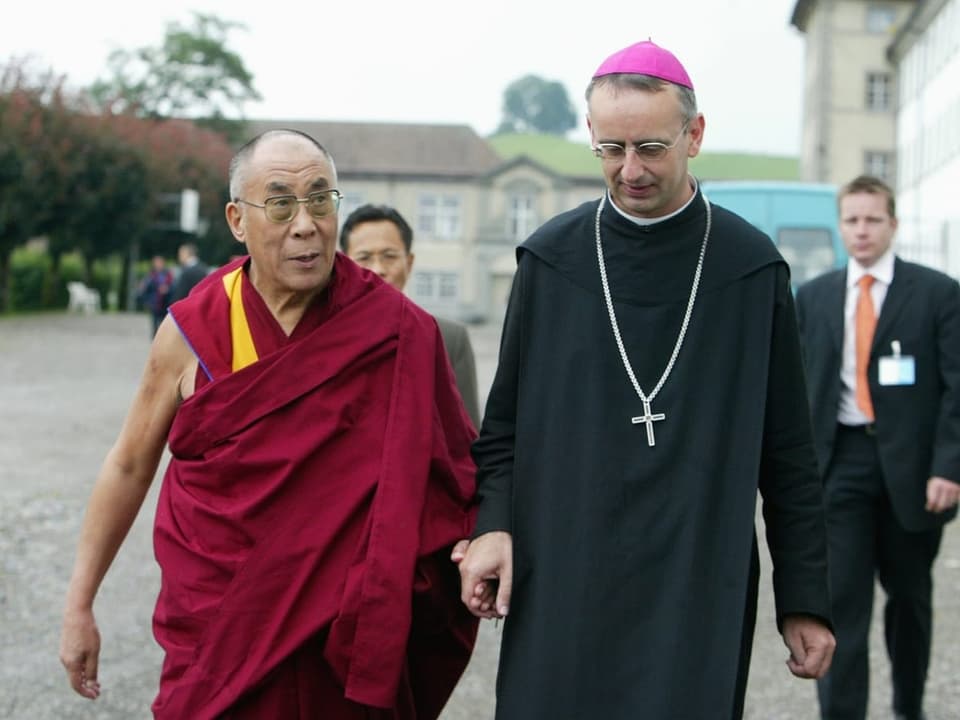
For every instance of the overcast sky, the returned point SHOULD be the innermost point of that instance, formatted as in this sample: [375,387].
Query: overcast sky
[446,61]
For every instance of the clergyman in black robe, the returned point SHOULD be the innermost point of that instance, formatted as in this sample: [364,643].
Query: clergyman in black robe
[634,553]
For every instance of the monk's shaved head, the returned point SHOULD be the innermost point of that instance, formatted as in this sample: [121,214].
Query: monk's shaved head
[240,161]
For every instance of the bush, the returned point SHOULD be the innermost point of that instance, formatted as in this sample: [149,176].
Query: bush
[107,279]
[29,270]
[35,286]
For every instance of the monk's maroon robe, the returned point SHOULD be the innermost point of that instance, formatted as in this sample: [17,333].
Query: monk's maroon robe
[304,523]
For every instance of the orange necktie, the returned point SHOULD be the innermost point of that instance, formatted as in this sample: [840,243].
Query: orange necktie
[866,324]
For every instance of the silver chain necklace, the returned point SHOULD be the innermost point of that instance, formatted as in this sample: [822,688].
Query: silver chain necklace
[649,417]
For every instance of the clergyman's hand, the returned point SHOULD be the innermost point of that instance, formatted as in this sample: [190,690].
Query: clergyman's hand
[80,651]
[486,575]
[811,646]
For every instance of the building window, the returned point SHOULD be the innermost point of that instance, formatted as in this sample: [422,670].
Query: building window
[880,18]
[521,217]
[448,286]
[423,285]
[878,164]
[808,251]
[439,216]
[436,286]
[879,87]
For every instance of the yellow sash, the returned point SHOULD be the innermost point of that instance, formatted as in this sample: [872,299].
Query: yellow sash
[244,351]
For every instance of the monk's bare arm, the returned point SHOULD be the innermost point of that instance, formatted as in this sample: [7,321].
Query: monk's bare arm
[117,495]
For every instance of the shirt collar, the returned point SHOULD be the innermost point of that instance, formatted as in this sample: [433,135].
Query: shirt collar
[881,270]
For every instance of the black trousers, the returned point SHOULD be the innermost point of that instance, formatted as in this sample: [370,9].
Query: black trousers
[866,540]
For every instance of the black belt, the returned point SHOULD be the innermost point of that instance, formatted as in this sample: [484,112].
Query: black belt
[868,429]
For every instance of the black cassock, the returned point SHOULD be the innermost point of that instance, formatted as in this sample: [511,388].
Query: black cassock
[635,567]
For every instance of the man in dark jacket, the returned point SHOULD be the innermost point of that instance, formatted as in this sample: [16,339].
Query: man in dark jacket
[882,347]
[191,272]
[378,238]
[155,290]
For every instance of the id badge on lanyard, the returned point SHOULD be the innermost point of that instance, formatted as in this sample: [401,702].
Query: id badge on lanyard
[897,369]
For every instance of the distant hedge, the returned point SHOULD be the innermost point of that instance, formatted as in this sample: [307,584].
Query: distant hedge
[35,285]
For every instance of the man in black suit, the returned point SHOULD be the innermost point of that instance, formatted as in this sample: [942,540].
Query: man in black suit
[882,350]
[191,272]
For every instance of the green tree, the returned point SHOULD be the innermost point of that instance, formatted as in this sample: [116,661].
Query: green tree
[100,197]
[178,154]
[97,183]
[533,104]
[30,105]
[192,74]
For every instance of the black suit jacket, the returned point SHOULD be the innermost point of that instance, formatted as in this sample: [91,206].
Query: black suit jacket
[189,276]
[917,426]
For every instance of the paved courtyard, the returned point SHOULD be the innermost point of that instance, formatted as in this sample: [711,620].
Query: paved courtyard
[65,384]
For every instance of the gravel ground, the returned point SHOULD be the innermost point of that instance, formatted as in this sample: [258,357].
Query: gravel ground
[65,384]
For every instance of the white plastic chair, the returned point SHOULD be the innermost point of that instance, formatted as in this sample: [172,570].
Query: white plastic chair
[82,298]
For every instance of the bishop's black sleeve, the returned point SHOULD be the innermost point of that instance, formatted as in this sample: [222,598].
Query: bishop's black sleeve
[493,451]
[946,446]
[790,483]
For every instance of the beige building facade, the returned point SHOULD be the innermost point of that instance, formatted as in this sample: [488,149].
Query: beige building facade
[468,208]
[926,53]
[850,87]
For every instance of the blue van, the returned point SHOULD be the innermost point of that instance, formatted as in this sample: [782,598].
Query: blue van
[801,218]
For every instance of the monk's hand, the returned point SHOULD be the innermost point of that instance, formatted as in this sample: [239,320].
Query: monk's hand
[459,551]
[811,646]
[80,651]
[942,494]
[486,575]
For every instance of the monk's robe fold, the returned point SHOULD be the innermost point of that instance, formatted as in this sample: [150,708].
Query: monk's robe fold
[315,491]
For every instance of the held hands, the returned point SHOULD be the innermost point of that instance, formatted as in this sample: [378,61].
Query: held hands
[80,651]
[486,573]
[486,576]
[942,494]
[811,646]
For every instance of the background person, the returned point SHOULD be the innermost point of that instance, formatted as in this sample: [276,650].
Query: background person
[882,345]
[191,271]
[378,238]
[155,290]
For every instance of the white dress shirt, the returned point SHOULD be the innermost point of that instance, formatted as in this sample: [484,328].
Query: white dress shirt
[882,272]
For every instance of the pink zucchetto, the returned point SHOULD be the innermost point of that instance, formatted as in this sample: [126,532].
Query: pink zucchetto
[646,58]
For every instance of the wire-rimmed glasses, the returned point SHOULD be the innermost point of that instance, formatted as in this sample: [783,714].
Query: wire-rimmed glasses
[283,208]
[616,152]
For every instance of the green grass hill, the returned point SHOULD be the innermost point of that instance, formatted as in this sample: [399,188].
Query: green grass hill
[574,159]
